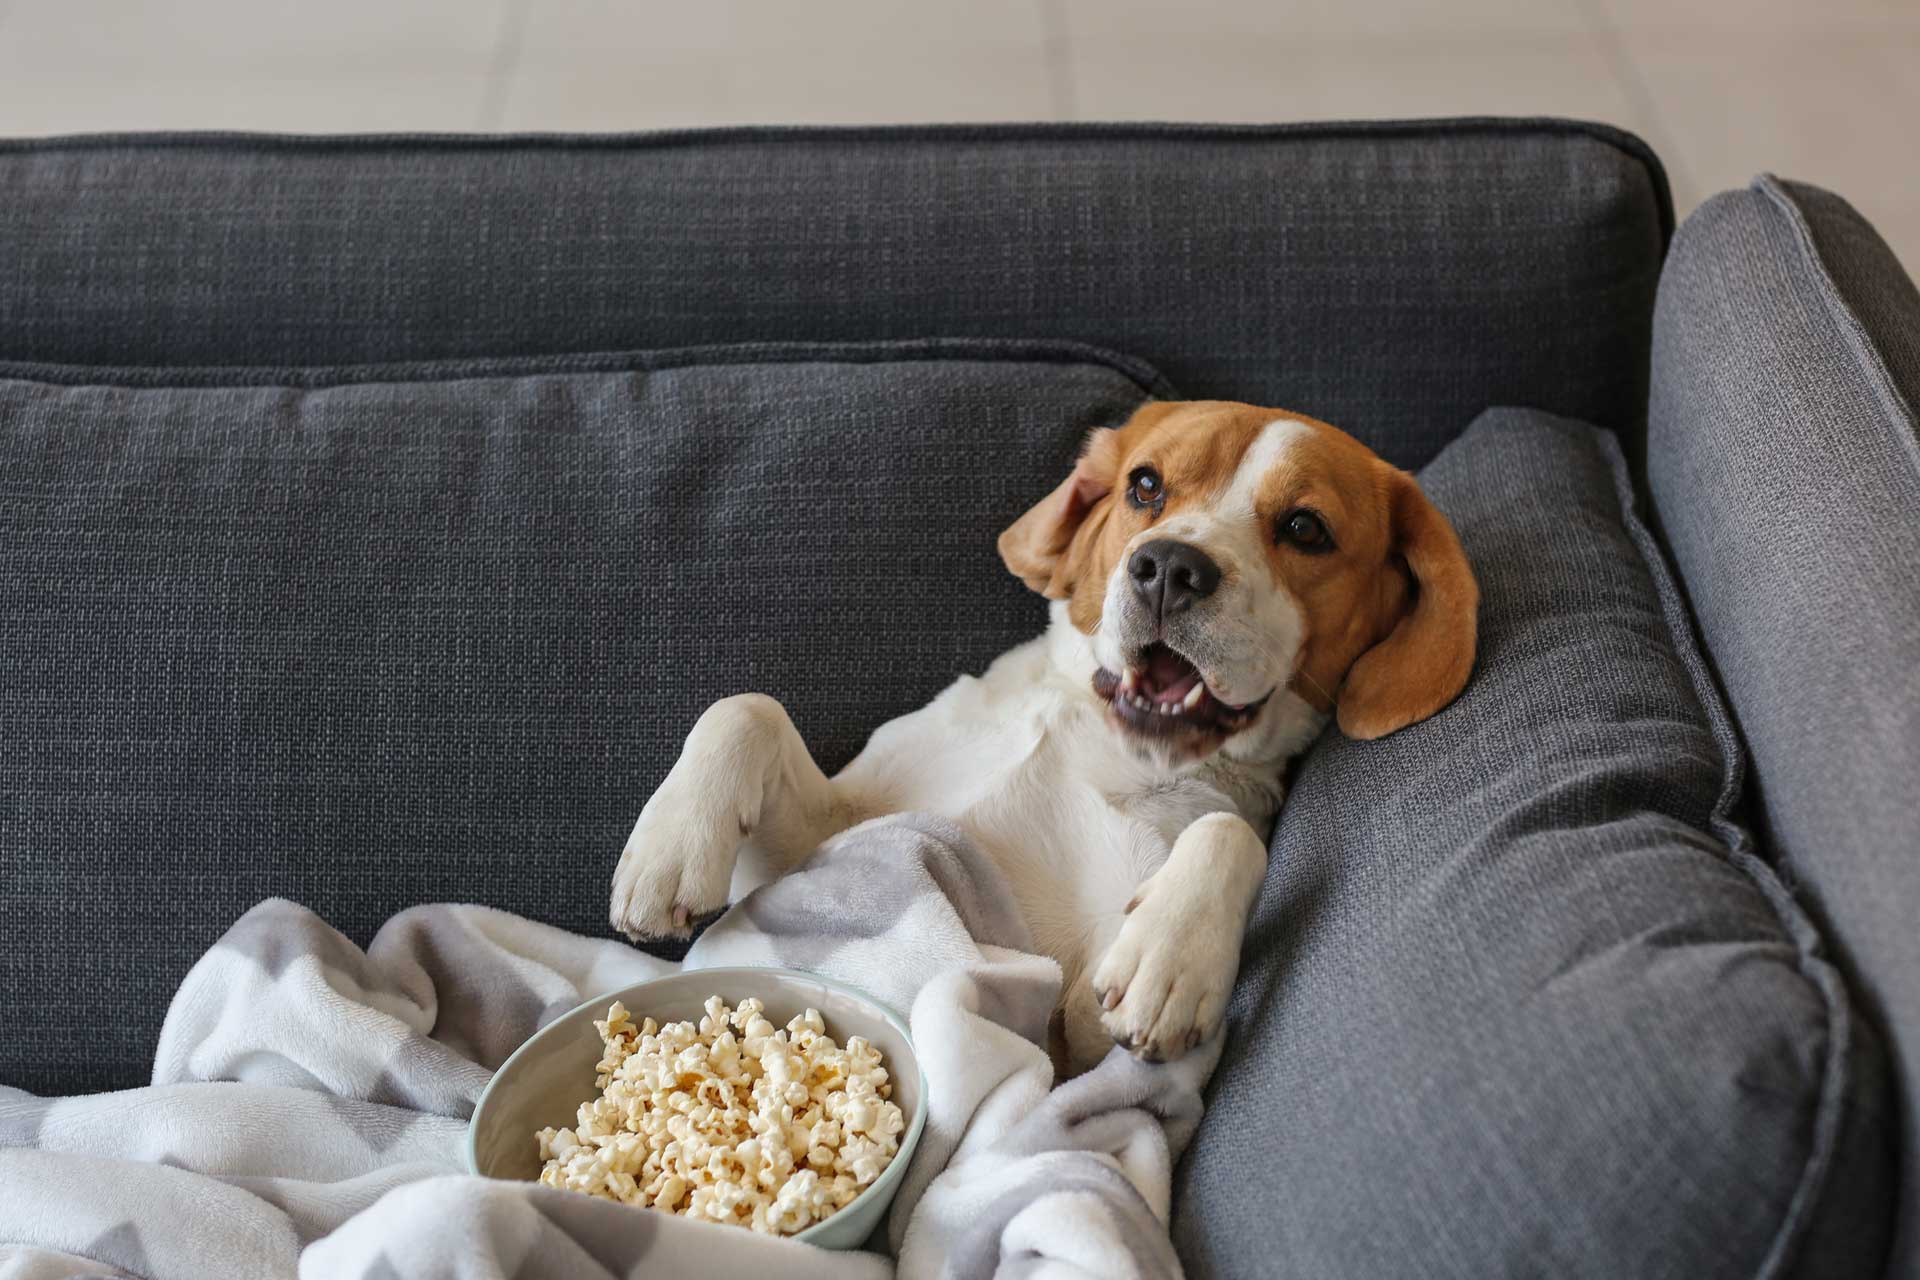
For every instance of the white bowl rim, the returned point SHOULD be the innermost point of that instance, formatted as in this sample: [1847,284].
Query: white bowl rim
[896,1168]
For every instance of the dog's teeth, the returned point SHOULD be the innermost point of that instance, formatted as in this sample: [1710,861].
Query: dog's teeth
[1129,680]
[1194,695]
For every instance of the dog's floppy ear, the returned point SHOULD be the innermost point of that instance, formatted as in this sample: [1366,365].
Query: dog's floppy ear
[1423,663]
[1035,546]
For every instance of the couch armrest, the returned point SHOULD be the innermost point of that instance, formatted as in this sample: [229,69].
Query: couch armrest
[1784,463]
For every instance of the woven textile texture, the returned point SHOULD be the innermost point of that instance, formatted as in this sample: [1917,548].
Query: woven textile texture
[434,634]
[1393,278]
[1784,461]
[1518,999]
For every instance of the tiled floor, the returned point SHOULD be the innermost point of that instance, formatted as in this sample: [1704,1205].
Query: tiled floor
[1825,90]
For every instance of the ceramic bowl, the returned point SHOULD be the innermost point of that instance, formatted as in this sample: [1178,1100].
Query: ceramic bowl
[549,1076]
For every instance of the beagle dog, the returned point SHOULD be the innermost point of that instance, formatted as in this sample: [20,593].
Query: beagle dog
[1223,580]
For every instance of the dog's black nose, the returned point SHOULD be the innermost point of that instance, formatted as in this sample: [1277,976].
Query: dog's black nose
[1169,576]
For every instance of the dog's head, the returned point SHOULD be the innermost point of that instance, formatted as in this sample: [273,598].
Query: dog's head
[1217,553]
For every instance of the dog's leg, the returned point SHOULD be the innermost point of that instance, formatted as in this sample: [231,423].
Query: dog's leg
[1163,983]
[743,774]
[1084,1038]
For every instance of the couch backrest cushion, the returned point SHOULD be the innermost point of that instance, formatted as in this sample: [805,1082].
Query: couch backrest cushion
[371,638]
[1518,999]
[1784,460]
[1393,278]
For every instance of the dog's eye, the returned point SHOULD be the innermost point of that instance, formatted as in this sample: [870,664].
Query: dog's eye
[1144,488]
[1303,529]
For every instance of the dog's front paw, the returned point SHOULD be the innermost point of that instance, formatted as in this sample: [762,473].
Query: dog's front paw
[1163,983]
[676,868]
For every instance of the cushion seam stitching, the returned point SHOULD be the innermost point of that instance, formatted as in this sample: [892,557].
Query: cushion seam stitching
[584,364]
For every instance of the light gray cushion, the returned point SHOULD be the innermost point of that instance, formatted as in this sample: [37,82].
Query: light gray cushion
[1784,459]
[373,637]
[1517,998]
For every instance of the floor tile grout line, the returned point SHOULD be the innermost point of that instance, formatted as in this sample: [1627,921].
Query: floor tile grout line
[1627,70]
[1056,43]
[500,67]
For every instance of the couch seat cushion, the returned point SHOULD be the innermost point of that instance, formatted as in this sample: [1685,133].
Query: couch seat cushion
[373,637]
[1518,998]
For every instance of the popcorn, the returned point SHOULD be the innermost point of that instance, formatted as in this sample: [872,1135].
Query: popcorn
[731,1120]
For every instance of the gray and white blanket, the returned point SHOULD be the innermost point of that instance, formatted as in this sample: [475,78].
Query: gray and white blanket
[309,1100]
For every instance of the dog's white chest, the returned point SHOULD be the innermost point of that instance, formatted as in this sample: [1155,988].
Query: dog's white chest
[1027,765]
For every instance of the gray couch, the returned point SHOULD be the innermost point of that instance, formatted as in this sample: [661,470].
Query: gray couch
[375,515]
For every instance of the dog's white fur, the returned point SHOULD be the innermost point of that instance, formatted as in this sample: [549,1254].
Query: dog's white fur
[1135,870]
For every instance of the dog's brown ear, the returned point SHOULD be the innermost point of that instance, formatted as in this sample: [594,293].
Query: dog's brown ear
[1035,546]
[1423,663]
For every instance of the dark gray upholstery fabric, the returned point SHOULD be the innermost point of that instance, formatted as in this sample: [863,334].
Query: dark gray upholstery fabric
[380,637]
[1517,999]
[1784,459]
[1394,278]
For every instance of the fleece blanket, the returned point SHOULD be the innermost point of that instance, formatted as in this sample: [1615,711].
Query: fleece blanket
[309,1101]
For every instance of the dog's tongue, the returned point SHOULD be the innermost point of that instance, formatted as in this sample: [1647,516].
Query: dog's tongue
[1167,677]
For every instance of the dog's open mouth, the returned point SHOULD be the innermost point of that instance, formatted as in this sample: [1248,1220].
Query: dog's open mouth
[1161,693]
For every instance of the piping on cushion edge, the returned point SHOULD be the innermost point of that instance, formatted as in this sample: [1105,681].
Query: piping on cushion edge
[1813,966]
[1866,352]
